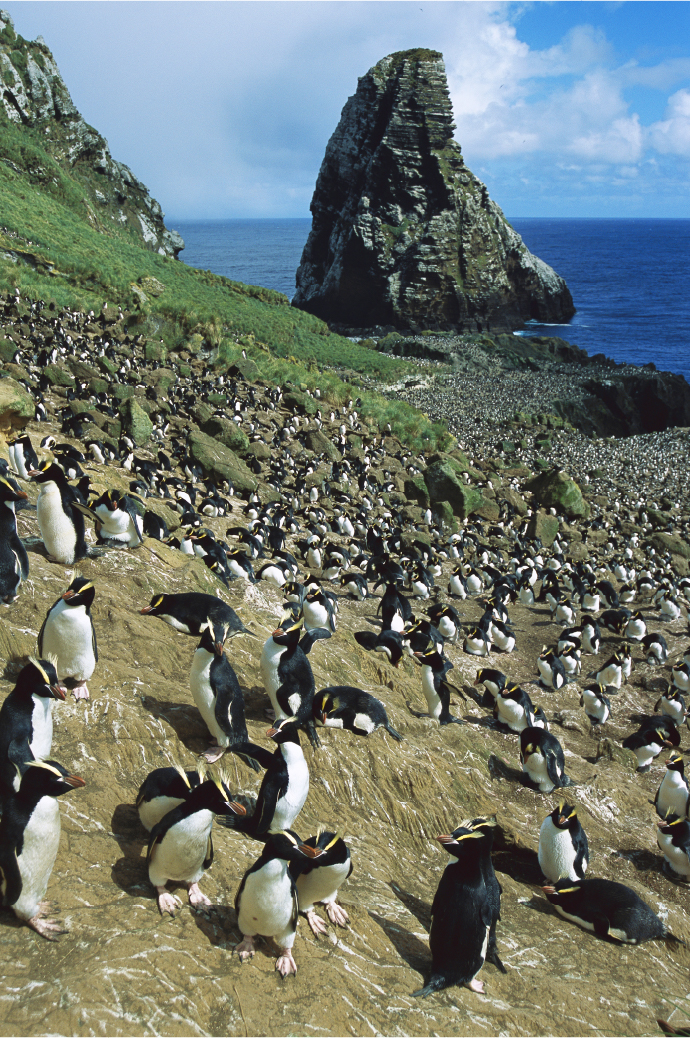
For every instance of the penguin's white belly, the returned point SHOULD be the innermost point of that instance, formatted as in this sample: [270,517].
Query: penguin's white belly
[68,635]
[556,853]
[321,884]
[675,856]
[151,811]
[646,754]
[268,665]
[57,529]
[267,903]
[274,575]
[673,795]
[117,526]
[39,851]
[236,569]
[364,723]
[546,673]
[290,805]
[180,854]
[535,767]
[315,615]
[200,684]
[512,714]
[42,727]
[446,627]
[430,694]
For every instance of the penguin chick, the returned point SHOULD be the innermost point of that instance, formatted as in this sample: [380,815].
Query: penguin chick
[563,848]
[180,846]
[542,759]
[321,878]
[29,841]
[435,688]
[69,636]
[266,901]
[466,902]
[607,909]
[26,721]
[343,706]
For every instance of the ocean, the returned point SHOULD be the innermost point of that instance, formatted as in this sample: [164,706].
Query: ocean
[628,278]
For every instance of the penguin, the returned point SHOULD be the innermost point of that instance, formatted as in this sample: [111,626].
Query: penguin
[596,703]
[26,721]
[284,787]
[670,610]
[656,649]
[591,635]
[161,791]
[118,520]
[611,673]
[267,903]
[636,628]
[607,909]
[680,676]
[476,642]
[240,565]
[69,636]
[218,696]
[180,846]
[343,706]
[646,744]
[457,586]
[571,658]
[493,681]
[514,708]
[318,611]
[435,687]
[672,795]
[356,585]
[466,902]
[155,526]
[60,522]
[190,613]
[388,642]
[673,839]
[542,759]
[673,704]
[29,841]
[321,878]
[14,560]
[502,636]
[287,674]
[23,457]
[563,848]
[551,670]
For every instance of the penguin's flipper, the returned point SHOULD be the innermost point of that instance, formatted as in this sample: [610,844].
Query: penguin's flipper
[311,636]
[392,731]
[265,809]
[155,838]
[22,557]
[85,510]
[135,519]
[10,878]
[310,729]
[221,710]
[454,688]
[493,956]
[249,761]
[257,753]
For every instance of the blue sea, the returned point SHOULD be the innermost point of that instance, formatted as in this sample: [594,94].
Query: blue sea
[630,279]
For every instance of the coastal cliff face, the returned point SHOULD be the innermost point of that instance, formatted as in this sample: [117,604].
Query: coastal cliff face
[33,94]
[403,233]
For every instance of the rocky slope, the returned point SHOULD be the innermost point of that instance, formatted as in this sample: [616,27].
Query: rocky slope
[403,233]
[34,95]
[122,969]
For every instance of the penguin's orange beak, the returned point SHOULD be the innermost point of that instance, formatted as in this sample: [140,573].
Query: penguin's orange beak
[237,809]
[68,595]
[58,691]
[324,717]
[74,781]
[219,648]
[311,852]
[549,890]
[146,609]
[21,494]
[271,732]
[444,839]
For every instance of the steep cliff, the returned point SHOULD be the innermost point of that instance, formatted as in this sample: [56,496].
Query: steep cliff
[34,96]
[403,233]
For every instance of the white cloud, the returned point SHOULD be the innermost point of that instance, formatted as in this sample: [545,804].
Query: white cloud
[672,135]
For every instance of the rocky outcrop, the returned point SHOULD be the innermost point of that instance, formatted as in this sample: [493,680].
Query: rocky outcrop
[403,233]
[33,94]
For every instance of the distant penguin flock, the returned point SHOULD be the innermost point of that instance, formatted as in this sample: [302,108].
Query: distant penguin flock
[321,541]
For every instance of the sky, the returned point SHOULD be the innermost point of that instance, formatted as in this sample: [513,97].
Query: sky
[223,108]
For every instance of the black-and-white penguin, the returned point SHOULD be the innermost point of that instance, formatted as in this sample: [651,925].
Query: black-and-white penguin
[551,670]
[60,522]
[23,457]
[476,642]
[26,721]
[656,648]
[673,839]
[191,611]
[68,636]
[446,620]
[607,909]
[435,687]
[591,635]
[680,676]
[596,703]
[218,696]
[180,848]
[319,879]
[344,706]
[514,708]
[266,901]
[29,841]
[543,760]
[466,902]
[672,703]
[287,674]
[318,611]
[493,681]
[672,795]
[118,521]
[161,791]
[647,743]
[387,642]
[14,561]
[611,673]
[636,627]
[356,585]
[563,848]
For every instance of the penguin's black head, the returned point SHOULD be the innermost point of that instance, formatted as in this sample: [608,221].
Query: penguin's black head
[562,891]
[288,635]
[333,848]
[47,778]
[81,592]
[672,824]
[465,840]
[564,815]
[286,844]
[10,493]
[39,678]
[675,763]
[213,795]
[214,636]
[156,605]
[434,659]
[285,730]
[48,472]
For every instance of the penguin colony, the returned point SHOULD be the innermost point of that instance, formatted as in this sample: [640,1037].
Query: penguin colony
[437,594]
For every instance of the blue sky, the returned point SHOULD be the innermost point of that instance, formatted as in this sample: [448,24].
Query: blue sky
[224,108]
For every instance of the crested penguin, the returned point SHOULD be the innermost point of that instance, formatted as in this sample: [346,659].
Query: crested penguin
[672,795]
[596,703]
[60,522]
[563,848]
[26,721]
[14,561]
[68,636]
[118,520]
[673,839]
[435,687]
[191,611]
[343,706]
[551,671]
[319,879]
[542,759]
[287,674]
[607,909]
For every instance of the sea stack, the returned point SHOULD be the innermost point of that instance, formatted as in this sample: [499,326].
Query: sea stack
[403,234]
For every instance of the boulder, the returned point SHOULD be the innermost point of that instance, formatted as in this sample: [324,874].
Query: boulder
[58,376]
[226,432]
[135,422]
[219,462]
[444,484]
[317,441]
[17,408]
[554,489]
[543,527]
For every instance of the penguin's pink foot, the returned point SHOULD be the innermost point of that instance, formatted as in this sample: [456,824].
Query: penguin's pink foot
[315,922]
[196,898]
[245,949]
[167,902]
[336,914]
[48,928]
[214,753]
[80,691]
[476,985]
[285,964]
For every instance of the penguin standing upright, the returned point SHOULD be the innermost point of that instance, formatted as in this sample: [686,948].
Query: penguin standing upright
[14,561]
[543,760]
[23,457]
[673,839]
[596,703]
[69,636]
[180,846]
[320,879]
[607,909]
[26,721]
[435,688]
[59,520]
[563,848]
[266,901]
[463,904]
[287,674]
[29,841]
[672,795]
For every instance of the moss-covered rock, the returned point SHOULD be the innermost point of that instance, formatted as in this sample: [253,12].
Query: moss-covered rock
[226,432]
[445,484]
[219,462]
[16,407]
[56,375]
[135,422]
[543,527]
[670,542]
[443,513]
[317,441]
[302,403]
[557,490]
[416,490]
